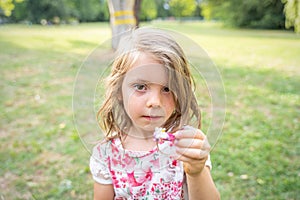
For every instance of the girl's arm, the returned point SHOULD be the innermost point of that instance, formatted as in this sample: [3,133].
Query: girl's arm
[193,149]
[201,186]
[103,192]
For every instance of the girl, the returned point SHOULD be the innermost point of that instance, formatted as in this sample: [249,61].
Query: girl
[149,152]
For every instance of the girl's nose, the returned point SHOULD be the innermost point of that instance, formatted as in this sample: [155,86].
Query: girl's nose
[154,99]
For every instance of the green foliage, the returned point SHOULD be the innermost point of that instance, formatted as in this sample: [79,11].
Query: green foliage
[49,10]
[103,14]
[292,14]
[181,8]
[148,10]
[272,14]
[252,14]
[19,13]
[206,10]
[6,6]
[162,12]
[60,11]
[91,10]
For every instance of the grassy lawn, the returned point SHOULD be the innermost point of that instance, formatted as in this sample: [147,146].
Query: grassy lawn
[42,156]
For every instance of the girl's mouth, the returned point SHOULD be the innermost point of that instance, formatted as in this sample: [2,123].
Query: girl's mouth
[151,117]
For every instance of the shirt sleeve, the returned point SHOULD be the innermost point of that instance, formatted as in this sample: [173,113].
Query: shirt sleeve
[98,167]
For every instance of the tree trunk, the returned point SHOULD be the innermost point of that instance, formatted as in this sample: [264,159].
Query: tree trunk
[122,18]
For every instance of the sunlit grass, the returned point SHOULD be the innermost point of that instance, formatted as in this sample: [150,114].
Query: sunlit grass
[42,156]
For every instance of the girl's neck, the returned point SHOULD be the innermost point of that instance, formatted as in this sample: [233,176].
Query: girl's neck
[138,141]
[140,134]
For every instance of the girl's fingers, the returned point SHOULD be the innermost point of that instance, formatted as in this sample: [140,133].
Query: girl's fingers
[189,153]
[189,133]
[189,160]
[189,143]
[186,139]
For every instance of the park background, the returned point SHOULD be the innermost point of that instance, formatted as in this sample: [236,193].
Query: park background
[254,44]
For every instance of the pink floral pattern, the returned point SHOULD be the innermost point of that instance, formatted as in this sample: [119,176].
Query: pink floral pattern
[138,174]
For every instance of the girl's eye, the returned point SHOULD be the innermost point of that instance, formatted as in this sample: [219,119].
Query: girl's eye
[140,87]
[166,89]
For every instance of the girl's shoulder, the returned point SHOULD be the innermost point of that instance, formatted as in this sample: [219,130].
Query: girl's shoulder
[105,147]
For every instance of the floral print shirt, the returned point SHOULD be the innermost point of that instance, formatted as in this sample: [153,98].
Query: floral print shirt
[139,174]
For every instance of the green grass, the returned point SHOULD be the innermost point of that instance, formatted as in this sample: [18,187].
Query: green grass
[42,156]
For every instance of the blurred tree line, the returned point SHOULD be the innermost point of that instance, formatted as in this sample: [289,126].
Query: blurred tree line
[272,14]
[57,11]
[68,11]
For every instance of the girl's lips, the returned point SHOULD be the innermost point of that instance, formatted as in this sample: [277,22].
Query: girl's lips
[151,117]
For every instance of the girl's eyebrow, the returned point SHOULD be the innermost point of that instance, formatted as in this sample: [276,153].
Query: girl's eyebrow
[141,81]
[147,82]
[138,81]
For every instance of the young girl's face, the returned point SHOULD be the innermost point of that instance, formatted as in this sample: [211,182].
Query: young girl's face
[146,96]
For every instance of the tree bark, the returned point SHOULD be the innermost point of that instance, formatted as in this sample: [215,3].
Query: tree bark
[122,18]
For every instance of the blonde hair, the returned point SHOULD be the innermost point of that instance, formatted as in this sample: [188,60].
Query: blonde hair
[112,116]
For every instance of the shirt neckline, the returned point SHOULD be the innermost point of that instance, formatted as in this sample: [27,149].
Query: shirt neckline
[138,154]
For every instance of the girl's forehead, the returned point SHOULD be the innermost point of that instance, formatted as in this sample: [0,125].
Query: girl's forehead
[146,68]
[148,73]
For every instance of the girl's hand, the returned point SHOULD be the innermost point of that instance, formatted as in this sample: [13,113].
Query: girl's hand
[192,148]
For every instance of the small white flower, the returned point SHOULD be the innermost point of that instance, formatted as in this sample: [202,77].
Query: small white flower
[160,133]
